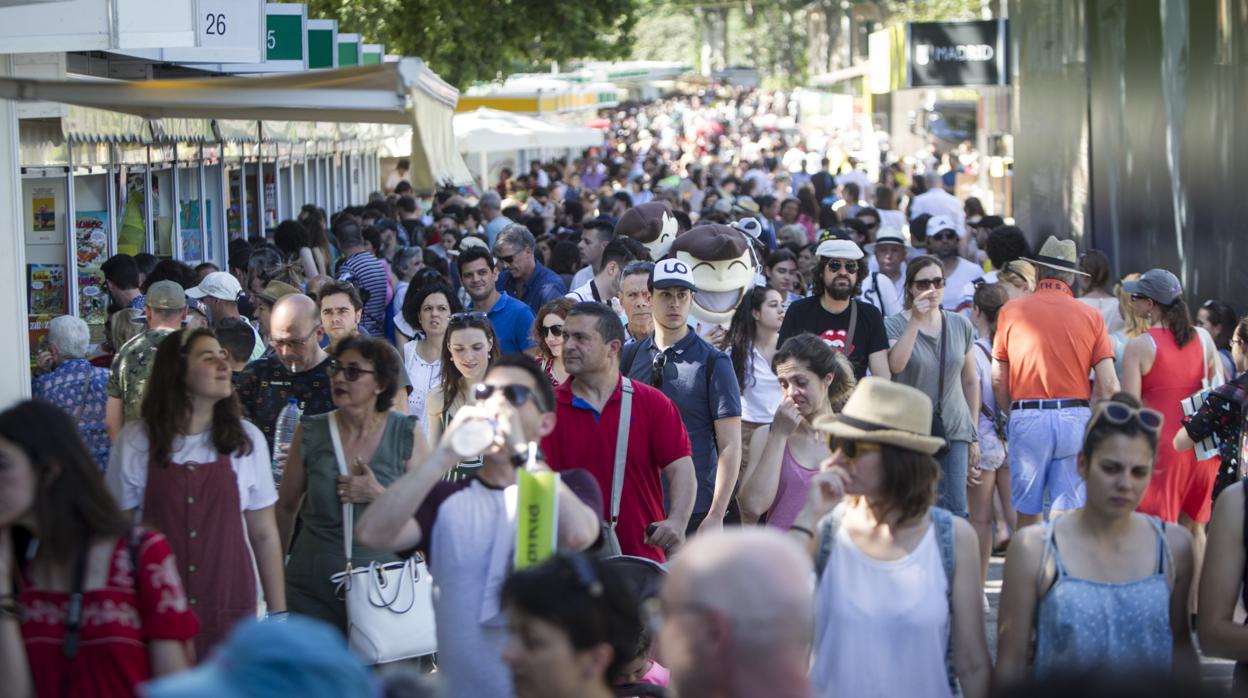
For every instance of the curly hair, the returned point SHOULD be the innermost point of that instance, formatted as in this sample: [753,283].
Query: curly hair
[385,360]
[821,360]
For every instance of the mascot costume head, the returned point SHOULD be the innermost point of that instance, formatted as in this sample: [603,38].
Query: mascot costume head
[651,224]
[724,265]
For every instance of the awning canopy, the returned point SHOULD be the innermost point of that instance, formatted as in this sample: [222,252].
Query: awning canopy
[401,92]
[489,130]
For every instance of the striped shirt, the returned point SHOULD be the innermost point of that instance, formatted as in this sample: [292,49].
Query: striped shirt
[368,274]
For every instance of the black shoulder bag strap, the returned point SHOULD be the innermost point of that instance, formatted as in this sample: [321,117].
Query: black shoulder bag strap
[853,327]
[73,618]
[629,355]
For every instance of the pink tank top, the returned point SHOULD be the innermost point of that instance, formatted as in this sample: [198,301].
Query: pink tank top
[790,493]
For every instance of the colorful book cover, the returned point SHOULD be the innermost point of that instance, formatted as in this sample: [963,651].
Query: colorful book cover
[47,289]
[92,296]
[38,332]
[91,232]
[43,209]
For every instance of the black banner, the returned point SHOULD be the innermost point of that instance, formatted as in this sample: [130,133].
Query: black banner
[955,54]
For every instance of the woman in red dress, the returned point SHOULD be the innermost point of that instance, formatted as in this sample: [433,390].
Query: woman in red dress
[64,545]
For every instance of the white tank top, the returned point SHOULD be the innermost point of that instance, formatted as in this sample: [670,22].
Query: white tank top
[881,626]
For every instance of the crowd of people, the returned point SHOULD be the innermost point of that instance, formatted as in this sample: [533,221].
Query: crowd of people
[801,500]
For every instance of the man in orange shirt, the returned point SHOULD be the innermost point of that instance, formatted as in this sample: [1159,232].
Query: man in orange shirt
[1046,345]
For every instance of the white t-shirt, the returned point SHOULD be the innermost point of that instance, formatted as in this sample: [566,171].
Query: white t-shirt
[965,273]
[761,394]
[127,465]
[879,290]
[582,276]
[424,376]
[938,202]
[893,219]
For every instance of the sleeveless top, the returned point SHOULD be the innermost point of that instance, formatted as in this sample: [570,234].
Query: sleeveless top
[790,492]
[1082,624]
[1175,374]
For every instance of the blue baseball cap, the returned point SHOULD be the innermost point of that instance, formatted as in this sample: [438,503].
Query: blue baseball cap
[301,657]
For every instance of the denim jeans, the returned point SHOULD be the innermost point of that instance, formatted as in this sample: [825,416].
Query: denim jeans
[951,488]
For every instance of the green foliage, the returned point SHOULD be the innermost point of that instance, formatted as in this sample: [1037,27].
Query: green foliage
[665,33]
[900,11]
[470,40]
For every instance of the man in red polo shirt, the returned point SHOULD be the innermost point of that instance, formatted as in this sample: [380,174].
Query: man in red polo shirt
[587,409]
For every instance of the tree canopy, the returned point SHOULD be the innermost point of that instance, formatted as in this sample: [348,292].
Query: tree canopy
[471,40]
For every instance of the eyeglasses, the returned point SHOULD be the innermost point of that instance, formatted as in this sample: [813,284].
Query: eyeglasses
[928,284]
[1139,297]
[351,373]
[293,343]
[505,259]
[656,369]
[835,265]
[945,235]
[467,318]
[546,330]
[1119,414]
[514,393]
[852,449]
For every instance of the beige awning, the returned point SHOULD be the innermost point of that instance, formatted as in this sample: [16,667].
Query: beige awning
[402,92]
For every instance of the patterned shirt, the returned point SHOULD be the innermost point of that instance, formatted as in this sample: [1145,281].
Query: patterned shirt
[78,388]
[368,274]
[265,386]
[1223,415]
[131,367]
[139,302]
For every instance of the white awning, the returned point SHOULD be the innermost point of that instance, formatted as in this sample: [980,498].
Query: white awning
[403,92]
[490,130]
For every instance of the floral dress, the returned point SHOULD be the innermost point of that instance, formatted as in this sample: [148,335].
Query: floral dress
[1222,416]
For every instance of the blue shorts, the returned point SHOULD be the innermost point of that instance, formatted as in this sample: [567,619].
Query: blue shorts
[1044,452]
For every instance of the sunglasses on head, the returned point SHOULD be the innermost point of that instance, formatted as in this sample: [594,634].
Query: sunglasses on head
[514,393]
[351,373]
[852,449]
[547,330]
[467,317]
[835,265]
[928,284]
[656,370]
[1119,414]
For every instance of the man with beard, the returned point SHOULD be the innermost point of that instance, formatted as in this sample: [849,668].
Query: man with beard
[853,328]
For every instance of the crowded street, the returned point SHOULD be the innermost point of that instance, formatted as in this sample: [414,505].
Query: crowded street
[343,373]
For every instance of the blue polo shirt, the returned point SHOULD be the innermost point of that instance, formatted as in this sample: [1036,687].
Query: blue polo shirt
[543,287]
[700,380]
[513,324]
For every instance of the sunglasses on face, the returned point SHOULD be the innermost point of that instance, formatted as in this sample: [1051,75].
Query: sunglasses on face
[467,318]
[548,330]
[946,235]
[514,393]
[928,284]
[505,259]
[1139,297]
[851,449]
[1119,414]
[656,370]
[351,373]
[836,265]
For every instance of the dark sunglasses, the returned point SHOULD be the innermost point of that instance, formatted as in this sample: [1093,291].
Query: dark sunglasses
[1139,297]
[351,373]
[514,393]
[946,235]
[656,370]
[852,449]
[835,265]
[928,284]
[505,260]
[1119,414]
[546,330]
[467,317]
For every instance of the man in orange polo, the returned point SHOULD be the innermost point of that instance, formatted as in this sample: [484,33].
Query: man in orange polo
[1045,347]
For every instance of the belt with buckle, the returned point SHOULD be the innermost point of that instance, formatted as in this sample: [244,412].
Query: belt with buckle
[1047,404]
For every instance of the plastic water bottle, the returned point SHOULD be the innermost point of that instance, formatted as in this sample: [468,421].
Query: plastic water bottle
[283,433]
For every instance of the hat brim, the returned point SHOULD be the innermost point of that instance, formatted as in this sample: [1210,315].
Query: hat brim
[1060,267]
[196,293]
[892,437]
[870,247]
[675,283]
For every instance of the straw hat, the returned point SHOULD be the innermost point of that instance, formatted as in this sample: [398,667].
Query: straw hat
[881,411]
[1062,255]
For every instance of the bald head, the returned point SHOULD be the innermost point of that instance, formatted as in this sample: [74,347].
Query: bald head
[295,330]
[755,587]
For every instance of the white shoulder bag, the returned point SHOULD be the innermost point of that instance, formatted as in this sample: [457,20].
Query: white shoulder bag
[389,607]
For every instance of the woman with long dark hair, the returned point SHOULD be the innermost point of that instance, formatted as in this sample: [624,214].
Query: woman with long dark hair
[313,219]
[782,274]
[1219,320]
[200,473]
[467,353]
[64,544]
[1104,585]
[787,452]
[751,344]
[427,309]
[548,333]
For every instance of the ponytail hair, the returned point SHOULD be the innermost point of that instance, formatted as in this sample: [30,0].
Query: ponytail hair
[1178,320]
[989,298]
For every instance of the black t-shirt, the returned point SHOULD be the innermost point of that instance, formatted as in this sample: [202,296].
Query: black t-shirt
[808,315]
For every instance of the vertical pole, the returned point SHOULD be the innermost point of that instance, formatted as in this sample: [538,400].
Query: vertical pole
[15,351]
[203,208]
[149,220]
[176,234]
[242,193]
[71,238]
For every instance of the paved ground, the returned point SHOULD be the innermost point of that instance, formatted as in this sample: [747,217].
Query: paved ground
[1216,672]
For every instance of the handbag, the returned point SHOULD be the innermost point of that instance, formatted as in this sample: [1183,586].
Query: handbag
[1208,448]
[389,606]
[938,423]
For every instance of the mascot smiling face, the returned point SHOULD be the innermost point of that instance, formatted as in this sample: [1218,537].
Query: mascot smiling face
[723,270]
[652,224]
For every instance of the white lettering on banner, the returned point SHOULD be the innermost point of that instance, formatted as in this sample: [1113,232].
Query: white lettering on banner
[962,53]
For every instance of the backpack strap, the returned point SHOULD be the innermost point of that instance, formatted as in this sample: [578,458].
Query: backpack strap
[629,355]
[942,519]
[827,529]
[620,465]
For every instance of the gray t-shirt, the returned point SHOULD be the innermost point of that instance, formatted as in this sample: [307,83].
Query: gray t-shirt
[921,372]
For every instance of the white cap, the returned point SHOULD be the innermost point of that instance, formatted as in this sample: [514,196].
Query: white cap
[750,226]
[839,249]
[669,273]
[219,284]
[938,224]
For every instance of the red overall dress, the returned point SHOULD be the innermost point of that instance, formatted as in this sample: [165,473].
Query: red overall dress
[196,506]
